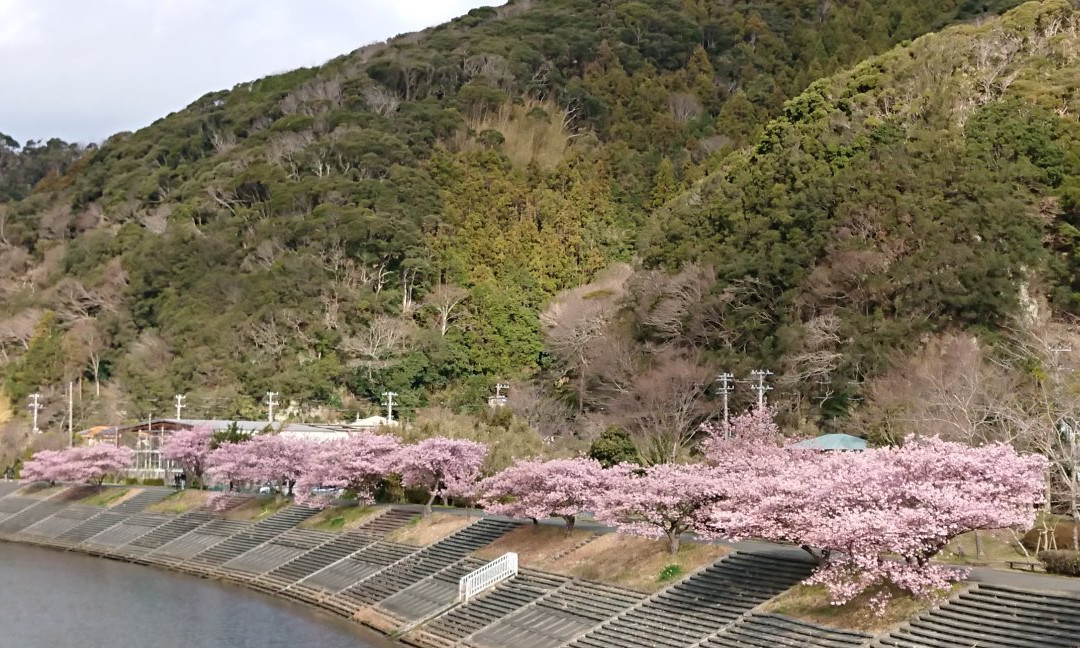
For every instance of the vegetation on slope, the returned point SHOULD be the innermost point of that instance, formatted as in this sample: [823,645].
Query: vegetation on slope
[934,187]
[397,217]
[400,217]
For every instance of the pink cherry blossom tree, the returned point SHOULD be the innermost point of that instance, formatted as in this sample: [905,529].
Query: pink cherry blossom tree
[97,461]
[741,442]
[537,489]
[879,516]
[189,448]
[356,463]
[444,467]
[662,501]
[44,466]
[264,459]
[89,464]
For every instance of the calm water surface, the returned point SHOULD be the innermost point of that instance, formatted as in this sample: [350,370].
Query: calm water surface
[50,599]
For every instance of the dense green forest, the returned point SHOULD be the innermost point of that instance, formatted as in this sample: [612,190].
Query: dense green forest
[603,203]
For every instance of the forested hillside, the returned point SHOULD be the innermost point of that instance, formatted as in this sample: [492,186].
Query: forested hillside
[602,202]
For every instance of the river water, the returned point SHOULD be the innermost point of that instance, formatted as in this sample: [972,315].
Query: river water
[50,599]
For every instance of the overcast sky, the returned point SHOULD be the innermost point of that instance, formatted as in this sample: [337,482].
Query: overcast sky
[84,69]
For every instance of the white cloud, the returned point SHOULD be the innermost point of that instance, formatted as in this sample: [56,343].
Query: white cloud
[84,70]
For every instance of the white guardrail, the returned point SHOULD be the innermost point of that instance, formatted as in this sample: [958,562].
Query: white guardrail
[487,576]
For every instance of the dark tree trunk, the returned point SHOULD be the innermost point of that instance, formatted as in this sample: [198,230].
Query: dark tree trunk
[673,542]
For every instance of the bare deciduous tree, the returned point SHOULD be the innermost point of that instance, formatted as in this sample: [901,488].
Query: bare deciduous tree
[815,356]
[84,344]
[446,300]
[381,100]
[663,302]
[551,417]
[666,405]
[684,107]
[945,389]
[267,338]
[16,331]
[378,341]
[577,319]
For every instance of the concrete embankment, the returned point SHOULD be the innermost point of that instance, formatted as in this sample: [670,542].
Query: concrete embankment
[365,572]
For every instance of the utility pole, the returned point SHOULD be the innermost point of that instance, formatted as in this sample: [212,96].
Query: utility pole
[761,387]
[35,407]
[727,385]
[389,396]
[180,398]
[499,400]
[270,405]
[71,413]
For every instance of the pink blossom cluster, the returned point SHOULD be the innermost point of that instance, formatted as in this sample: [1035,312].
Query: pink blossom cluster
[81,464]
[189,449]
[538,489]
[444,467]
[264,459]
[356,463]
[870,518]
[878,516]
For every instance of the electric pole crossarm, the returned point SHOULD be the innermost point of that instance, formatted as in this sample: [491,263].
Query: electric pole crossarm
[389,396]
[270,402]
[761,387]
[726,387]
[35,407]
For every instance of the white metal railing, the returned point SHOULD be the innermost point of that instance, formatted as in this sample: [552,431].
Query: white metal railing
[487,576]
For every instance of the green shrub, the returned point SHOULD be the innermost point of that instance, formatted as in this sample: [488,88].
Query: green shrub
[669,573]
[132,481]
[156,481]
[1061,561]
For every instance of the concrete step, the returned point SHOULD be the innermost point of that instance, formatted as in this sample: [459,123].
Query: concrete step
[505,599]
[994,617]
[318,559]
[64,519]
[701,605]
[30,515]
[778,631]
[164,534]
[250,537]
[125,532]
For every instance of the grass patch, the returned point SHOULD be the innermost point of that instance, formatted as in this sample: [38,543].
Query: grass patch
[625,561]
[811,603]
[424,531]
[109,496]
[999,546]
[670,573]
[340,518]
[181,502]
[258,508]
[536,546]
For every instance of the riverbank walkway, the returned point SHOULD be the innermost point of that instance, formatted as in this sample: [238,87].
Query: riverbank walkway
[411,592]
